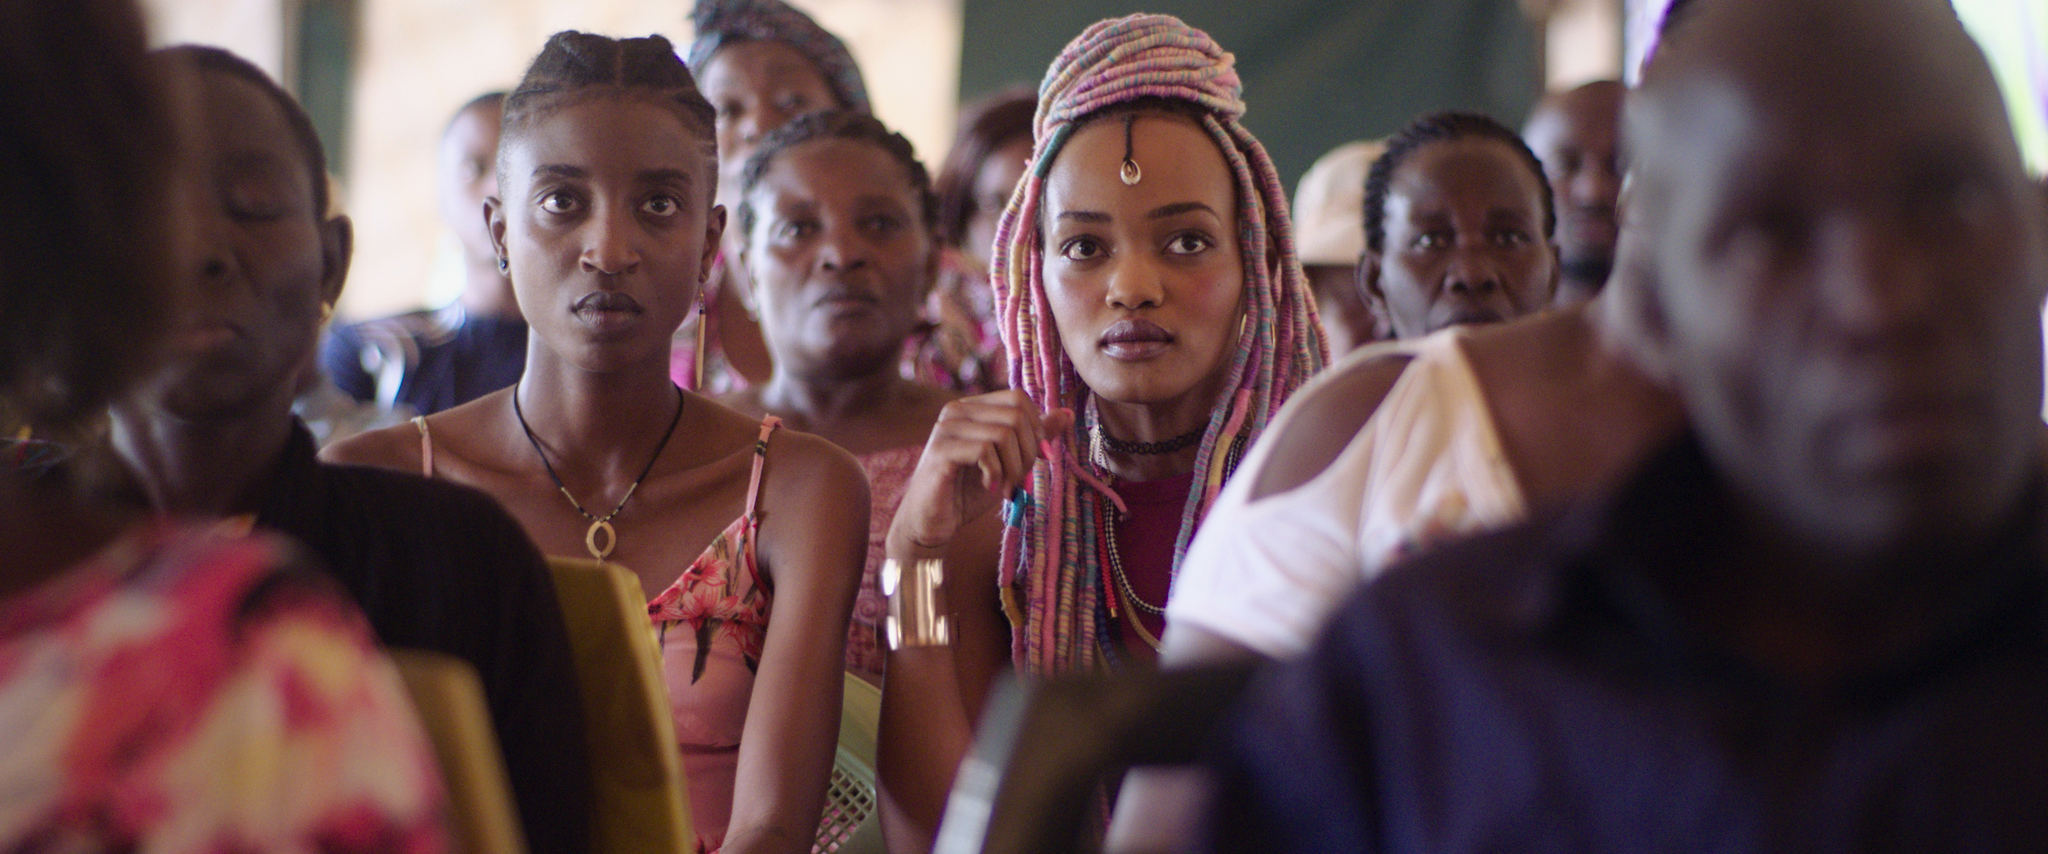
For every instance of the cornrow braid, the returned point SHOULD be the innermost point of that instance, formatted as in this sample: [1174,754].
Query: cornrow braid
[836,124]
[1442,127]
[1052,571]
[573,63]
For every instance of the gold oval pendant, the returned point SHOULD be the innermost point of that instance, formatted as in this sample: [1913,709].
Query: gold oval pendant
[611,539]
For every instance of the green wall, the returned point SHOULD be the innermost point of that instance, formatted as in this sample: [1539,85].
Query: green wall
[1316,73]
[325,49]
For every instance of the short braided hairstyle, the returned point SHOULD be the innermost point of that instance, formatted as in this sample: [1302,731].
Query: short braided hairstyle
[574,64]
[1443,127]
[837,124]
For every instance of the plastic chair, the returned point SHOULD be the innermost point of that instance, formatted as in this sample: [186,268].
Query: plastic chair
[1046,747]
[850,824]
[450,699]
[640,803]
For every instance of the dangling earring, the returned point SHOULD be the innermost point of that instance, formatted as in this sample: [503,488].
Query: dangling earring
[326,311]
[697,370]
[1095,451]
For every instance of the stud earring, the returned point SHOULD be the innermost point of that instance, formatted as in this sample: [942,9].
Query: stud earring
[504,264]
[326,311]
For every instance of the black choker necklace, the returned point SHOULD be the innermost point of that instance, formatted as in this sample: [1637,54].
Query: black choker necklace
[1151,449]
[599,525]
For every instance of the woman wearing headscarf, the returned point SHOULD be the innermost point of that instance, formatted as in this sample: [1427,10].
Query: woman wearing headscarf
[760,63]
[1155,317]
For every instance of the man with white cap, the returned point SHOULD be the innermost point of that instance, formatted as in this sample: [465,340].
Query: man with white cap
[1329,236]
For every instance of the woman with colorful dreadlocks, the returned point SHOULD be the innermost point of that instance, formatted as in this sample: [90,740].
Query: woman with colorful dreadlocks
[1155,317]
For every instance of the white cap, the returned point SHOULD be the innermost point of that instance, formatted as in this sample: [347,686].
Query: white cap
[1329,206]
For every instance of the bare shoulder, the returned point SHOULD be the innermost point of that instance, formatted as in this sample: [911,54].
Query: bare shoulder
[814,512]
[1535,352]
[1324,416]
[400,445]
[803,469]
[394,447]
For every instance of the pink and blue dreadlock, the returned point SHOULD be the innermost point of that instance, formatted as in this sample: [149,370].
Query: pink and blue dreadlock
[1052,573]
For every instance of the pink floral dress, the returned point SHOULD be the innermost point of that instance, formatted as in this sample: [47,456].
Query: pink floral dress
[712,623]
[184,692]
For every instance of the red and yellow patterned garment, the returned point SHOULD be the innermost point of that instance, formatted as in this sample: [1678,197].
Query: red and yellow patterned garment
[182,692]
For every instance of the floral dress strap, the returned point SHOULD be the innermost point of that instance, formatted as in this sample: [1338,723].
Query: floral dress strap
[724,584]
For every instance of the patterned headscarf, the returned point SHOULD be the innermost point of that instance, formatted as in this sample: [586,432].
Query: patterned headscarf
[1054,570]
[723,22]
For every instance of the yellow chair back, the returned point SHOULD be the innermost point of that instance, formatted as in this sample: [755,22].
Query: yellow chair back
[451,706]
[640,803]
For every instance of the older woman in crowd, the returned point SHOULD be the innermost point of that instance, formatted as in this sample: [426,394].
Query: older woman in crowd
[838,216]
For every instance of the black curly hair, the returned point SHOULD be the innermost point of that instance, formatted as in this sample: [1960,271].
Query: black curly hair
[1442,127]
[837,124]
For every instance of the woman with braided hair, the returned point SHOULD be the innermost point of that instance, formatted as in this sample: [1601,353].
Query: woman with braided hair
[1155,318]
[748,540]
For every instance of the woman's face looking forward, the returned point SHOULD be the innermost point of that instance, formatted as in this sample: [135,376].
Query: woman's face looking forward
[840,255]
[606,218]
[758,86]
[1145,279]
[1465,239]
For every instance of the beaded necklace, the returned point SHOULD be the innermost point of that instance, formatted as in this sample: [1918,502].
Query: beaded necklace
[599,525]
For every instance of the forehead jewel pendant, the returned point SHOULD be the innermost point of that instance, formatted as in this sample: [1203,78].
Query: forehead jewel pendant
[1130,173]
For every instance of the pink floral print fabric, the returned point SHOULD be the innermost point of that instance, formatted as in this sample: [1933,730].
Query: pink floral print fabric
[185,692]
[712,622]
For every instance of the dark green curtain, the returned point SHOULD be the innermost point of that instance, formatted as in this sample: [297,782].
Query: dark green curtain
[1316,73]
[324,50]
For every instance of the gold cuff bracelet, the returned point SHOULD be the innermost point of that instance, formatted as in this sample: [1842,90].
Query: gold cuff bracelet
[916,610]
